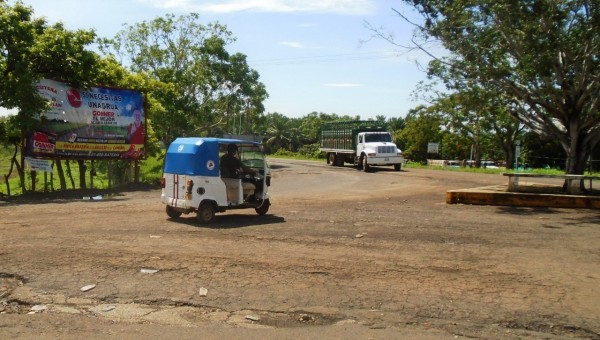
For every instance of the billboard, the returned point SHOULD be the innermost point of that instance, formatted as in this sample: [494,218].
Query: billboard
[98,122]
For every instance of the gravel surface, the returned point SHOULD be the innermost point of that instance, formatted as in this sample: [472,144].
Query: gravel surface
[341,254]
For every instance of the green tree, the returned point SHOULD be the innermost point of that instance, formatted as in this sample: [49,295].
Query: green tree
[541,54]
[395,123]
[30,50]
[205,86]
[277,133]
[4,130]
[422,126]
[311,126]
[10,137]
[541,152]
[456,147]
[481,116]
[247,100]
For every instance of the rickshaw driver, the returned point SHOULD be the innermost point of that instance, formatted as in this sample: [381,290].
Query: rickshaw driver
[232,167]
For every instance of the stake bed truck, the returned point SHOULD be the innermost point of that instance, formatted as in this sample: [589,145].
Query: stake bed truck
[360,143]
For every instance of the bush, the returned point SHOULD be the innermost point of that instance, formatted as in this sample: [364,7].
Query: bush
[311,151]
[151,170]
[307,152]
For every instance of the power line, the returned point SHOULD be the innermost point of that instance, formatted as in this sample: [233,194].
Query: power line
[322,59]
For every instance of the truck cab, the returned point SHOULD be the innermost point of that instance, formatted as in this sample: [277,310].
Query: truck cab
[194,181]
[377,148]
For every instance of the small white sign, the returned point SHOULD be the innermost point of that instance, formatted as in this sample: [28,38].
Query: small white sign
[39,164]
[433,147]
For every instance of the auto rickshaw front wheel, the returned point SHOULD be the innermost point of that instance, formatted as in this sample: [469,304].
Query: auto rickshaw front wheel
[263,208]
[206,213]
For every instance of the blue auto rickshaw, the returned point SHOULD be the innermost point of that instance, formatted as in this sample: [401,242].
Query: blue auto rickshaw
[194,181]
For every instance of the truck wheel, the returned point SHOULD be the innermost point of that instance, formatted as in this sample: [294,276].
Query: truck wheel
[365,164]
[206,213]
[397,167]
[262,209]
[172,213]
[358,162]
[339,160]
[331,158]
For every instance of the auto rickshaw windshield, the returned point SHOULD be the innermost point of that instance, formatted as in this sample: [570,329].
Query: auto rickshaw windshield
[252,156]
[250,152]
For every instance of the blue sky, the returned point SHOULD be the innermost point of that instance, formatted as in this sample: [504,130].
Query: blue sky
[312,55]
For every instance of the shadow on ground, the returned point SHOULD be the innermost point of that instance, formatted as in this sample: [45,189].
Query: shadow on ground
[75,195]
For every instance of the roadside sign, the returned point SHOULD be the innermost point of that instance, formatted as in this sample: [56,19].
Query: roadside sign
[433,147]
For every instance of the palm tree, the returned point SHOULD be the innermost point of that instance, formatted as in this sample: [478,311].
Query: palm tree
[277,136]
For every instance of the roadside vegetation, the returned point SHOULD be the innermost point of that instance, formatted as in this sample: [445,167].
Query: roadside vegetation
[151,172]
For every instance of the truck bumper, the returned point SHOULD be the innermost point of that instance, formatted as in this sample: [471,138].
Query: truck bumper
[385,160]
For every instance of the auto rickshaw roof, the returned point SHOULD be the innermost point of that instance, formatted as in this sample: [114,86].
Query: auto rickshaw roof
[209,140]
[197,156]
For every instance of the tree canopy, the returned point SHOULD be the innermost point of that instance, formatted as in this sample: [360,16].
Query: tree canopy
[204,85]
[541,55]
[30,50]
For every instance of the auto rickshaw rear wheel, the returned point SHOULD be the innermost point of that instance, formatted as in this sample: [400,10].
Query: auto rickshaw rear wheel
[206,213]
[172,213]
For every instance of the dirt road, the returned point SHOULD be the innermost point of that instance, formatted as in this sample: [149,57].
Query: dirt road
[341,254]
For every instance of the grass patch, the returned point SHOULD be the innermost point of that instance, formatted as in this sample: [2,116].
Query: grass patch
[121,173]
[417,165]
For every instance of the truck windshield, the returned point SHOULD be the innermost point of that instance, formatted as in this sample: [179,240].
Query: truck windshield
[378,137]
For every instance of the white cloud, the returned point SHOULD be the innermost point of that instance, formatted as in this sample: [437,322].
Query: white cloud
[342,85]
[293,44]
[349,7]
[309,24]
